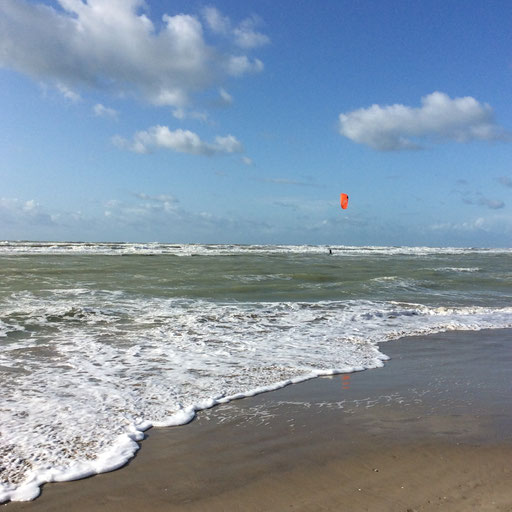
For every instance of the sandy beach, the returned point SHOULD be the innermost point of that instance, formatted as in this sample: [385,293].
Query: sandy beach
[431,430]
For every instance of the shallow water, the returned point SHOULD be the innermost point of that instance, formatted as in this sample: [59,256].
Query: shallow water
[98,342]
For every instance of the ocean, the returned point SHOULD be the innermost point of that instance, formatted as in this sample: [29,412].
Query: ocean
[101,341]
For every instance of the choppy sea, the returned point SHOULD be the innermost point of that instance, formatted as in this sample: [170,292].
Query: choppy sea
[100,341]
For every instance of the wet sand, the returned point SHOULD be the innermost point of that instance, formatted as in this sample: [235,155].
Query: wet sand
[432,430]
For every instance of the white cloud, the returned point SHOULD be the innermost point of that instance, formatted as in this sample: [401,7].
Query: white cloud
[160,203]
[226,98]
[102,111]
[182,141]
[15,211]
[499,225]
[113,45]
[440,118]
[149,218]
[164,199]
[241,64]
[182,113]
[228,144]
[216,21]
[29,206]
[68,93]
[244,35]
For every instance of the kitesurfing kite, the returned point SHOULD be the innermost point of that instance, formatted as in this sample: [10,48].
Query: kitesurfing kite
[344,201]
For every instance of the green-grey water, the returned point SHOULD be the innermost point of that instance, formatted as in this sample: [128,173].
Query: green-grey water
[100,341]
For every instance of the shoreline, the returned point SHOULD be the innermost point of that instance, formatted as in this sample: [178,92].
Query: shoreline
[432,427]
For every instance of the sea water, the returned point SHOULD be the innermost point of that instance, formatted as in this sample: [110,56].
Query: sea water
[99,342]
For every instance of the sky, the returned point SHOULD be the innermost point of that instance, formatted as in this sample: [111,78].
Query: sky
[242,121]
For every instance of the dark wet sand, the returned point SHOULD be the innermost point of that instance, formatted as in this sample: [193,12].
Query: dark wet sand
[432,430]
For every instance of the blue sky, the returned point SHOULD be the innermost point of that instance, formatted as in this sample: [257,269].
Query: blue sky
[241,122]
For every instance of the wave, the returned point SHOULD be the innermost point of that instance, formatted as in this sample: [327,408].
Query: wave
[156,248]
[83,391]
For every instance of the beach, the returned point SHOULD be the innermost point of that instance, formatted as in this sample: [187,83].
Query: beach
[431,430]
[255,256]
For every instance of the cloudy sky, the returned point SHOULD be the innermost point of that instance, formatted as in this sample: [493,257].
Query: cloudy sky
[242,122]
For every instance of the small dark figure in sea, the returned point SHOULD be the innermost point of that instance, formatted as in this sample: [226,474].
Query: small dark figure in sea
[330,251]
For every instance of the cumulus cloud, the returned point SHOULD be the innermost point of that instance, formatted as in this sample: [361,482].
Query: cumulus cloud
[151,217]
[472,225]
[15,211]
[439,118]
[499,225]
[113,45]
[241,64]
[216,21]
[160,198]
[164,202]
[225,97]
[67,92]
[244,35]
[182,113]
[102,111]
[151,205]
[182,141]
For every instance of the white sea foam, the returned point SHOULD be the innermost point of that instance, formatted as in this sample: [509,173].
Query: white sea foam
[105,366]
[456,269]
[85,370]
[155,248]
